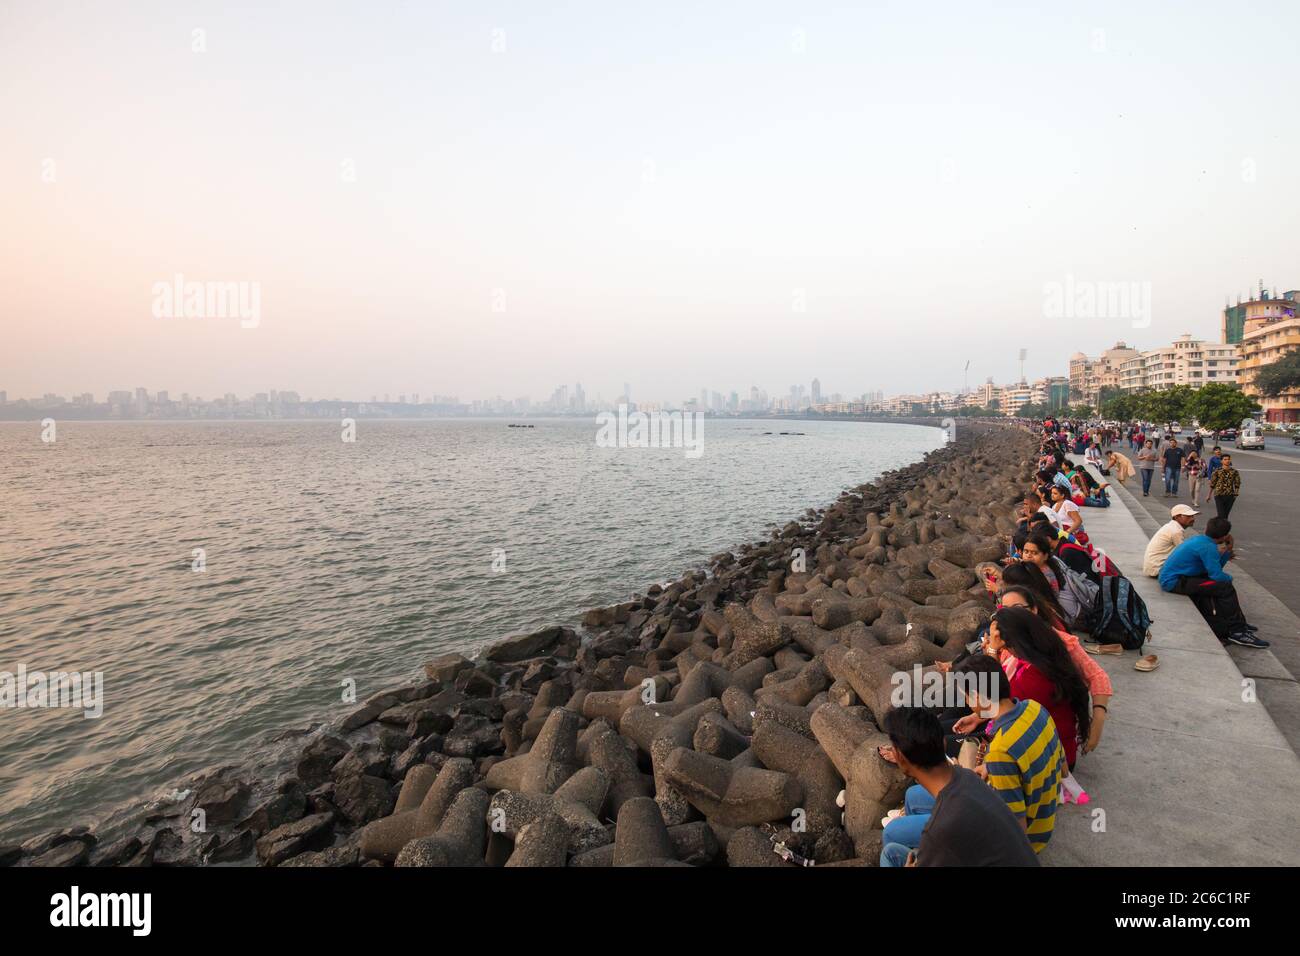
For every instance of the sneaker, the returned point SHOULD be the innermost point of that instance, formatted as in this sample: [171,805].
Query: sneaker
[1247,639]
[889,818]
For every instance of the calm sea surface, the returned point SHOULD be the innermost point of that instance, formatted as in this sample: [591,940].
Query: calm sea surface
[328,561]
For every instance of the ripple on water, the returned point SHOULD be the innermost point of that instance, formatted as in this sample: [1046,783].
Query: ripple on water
[328,561]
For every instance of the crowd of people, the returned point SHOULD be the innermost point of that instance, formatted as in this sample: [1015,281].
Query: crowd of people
[991,769]
[1210,473]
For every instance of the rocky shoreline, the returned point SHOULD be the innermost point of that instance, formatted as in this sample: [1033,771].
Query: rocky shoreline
[710,721]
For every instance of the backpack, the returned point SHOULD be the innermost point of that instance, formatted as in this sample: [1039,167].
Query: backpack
[1078,587]
[1119,615]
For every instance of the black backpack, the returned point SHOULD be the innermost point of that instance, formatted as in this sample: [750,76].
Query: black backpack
[1119,615]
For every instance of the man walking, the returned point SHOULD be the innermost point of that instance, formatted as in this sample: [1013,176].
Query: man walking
[1172,459]
[1211,466]
[1225,486]
[1195,568]
[1146,457]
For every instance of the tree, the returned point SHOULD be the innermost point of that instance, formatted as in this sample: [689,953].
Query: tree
[1166,406]
[1282,376]
[1120,408]
[1218,406]
[978,411]
[1034,410]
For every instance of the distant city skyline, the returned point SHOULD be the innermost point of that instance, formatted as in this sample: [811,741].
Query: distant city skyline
[492,200]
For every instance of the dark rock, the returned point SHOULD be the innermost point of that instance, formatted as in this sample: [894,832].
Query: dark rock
[309,833]
[443,703]
[475,683]
[473,736]
[233,848]
[363,798]
[10,854]
[318,758]
[360,762]
[276,812]
[521,647]
[72,853]
[116,854]
[342,855]
[446,667]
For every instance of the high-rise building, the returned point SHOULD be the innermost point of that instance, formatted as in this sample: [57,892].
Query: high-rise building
[1266,337]
[1090,377]
[1264,307]
[1185,361]
[816,391]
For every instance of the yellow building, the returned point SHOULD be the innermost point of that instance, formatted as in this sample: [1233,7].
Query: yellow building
[1269,334]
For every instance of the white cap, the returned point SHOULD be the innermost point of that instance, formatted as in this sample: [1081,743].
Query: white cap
[1177,510]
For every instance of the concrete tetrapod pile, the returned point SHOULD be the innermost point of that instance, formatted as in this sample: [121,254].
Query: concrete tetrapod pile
[698,723]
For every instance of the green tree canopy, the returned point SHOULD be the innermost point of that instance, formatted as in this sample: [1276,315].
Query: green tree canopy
[1120,408]
[1166,406]
[1218,406]
[1282,376]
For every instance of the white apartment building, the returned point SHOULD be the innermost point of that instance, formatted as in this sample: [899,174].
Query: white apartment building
[1185,361]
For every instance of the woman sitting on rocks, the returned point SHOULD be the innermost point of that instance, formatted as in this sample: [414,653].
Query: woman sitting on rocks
[1039,667]
[1098,680]
[1068,512]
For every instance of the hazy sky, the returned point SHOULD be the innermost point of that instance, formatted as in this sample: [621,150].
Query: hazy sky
[499,197]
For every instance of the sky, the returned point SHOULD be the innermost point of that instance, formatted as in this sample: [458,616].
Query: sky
[496,198]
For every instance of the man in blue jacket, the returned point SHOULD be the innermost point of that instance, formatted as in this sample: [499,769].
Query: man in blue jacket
[1195,568]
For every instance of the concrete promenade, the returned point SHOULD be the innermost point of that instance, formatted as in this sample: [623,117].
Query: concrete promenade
[1264,571]
[1192,770]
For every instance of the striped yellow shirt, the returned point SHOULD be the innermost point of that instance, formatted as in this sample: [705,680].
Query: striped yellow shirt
[1026,764]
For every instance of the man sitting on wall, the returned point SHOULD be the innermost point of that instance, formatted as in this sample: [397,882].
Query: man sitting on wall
[1195,568]
[1169,536]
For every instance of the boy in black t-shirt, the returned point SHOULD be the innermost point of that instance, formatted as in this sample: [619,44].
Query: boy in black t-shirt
[969,823]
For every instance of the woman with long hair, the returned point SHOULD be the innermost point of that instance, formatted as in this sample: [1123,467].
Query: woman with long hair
[1041,670]
[1098,680]
[1068,512]
[1028,575]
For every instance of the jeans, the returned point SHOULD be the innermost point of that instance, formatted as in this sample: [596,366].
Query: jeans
[906,830]
[1217,602]
[1171,480]
[894,854]
[1223,504]
[1096,501]
[1146,479]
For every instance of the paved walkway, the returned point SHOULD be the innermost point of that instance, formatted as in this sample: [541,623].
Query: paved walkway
[1192,769]
[1264,523]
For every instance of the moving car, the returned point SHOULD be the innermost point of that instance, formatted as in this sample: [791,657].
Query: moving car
[1250,438]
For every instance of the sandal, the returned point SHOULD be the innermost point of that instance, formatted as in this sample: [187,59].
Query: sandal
[1148,663]
[1104,648]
